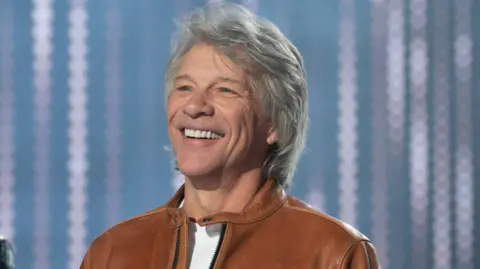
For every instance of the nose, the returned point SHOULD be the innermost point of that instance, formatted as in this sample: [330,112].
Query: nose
[198,105]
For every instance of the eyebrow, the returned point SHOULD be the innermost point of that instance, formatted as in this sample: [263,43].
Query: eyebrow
[217,79]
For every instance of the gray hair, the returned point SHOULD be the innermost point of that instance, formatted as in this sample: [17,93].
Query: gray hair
[274,68]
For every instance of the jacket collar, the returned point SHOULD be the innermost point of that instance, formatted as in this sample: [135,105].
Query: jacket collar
[266,201]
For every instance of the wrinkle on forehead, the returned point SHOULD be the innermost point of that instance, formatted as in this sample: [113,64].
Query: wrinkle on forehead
[217,56]
[234,59]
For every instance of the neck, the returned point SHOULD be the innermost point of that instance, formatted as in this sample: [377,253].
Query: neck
[227,194]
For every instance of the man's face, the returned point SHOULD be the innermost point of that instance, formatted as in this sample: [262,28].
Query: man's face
[213,121]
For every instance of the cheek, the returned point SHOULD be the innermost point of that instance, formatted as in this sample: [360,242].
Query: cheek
[173,106]
[252,127]
[244,123]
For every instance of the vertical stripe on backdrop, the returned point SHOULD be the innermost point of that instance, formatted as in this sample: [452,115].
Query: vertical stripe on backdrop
[112,111]
[7,162]
[347,121]
[42,17]
[396,104]
[464,196]
[380,130]
[419,132]
[77,132]
[475,37]
[151,85]
[58,132]
[442,242]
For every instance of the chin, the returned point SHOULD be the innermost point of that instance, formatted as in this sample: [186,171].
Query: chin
[198,165]
[196,170]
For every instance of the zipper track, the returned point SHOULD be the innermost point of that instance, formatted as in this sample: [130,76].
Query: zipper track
[219,246]
[177,248]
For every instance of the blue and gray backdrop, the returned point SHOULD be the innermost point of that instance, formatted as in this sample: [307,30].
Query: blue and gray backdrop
[393,148]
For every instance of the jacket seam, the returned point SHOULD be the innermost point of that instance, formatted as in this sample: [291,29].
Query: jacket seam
[110,247]
[365,249]
[320,215]
[351,248]
[155,211]
[282,204]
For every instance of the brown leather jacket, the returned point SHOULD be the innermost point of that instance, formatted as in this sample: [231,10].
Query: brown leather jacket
[273,231]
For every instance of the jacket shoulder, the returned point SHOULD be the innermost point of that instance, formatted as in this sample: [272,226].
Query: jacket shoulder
[321,223]
[128,231]
[130,236]
[130,228]
[335,243]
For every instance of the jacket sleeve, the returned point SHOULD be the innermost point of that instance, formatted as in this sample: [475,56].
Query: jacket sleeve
[360,256]
[98,255]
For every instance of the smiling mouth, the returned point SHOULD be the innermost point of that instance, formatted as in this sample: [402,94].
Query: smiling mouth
[201,134]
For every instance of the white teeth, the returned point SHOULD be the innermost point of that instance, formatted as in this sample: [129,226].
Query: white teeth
[191,133]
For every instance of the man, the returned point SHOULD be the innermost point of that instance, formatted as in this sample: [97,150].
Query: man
[6,254]
[237,117]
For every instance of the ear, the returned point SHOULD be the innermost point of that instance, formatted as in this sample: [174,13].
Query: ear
[272,136]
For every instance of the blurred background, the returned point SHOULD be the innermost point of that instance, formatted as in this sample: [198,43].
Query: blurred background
[394,138]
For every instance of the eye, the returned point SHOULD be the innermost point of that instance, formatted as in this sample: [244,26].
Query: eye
[184,88]
[226,90]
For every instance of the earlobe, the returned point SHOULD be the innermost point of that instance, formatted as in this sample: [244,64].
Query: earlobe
[272,137]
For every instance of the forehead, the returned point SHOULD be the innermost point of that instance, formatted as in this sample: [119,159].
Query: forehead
[204,61]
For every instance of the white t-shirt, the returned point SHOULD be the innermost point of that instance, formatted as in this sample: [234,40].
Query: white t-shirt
[202,244]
